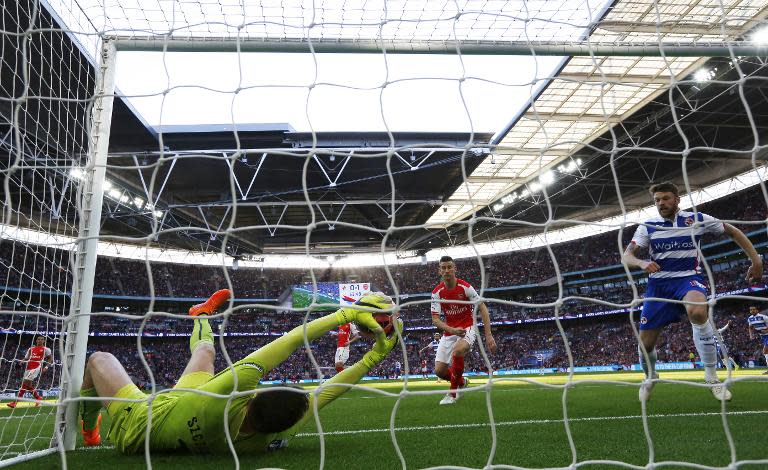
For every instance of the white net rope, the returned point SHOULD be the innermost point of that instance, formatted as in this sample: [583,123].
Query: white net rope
[575,104]
[44,96]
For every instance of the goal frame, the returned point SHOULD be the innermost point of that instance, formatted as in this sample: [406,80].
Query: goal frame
[76,325]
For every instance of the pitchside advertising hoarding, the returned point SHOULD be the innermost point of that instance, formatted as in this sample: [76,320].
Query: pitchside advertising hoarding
[328,293]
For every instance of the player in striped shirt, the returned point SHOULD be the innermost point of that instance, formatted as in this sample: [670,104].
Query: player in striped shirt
[758,324]
[673,240]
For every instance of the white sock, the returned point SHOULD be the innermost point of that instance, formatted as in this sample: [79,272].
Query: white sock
[704,339]
[652,356]
[766,359]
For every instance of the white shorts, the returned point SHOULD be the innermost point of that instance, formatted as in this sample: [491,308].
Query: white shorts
[424,370]
[445,347]
[342,354]
[31,374]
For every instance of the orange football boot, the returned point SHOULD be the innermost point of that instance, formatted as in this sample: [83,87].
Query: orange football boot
[214,302]
[11,404]
[91,437]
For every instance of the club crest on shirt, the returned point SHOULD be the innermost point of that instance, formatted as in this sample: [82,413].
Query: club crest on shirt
[688,221]
[643,320]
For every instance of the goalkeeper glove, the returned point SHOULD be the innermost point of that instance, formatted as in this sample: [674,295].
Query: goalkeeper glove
[382,348]
[364,318]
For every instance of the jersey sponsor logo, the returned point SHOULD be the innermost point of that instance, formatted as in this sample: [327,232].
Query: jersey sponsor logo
[672,245]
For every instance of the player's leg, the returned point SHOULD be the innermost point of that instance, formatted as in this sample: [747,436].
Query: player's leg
[341,357]
[443,357]
[765,352]
[704,339]
[22,390]
[104,377]
[460,349]
[647,347]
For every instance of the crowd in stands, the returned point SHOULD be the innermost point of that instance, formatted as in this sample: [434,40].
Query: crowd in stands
[604,341]
[48,269]
[608,340]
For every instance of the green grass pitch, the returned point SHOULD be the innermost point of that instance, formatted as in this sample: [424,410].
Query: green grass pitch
[685,424]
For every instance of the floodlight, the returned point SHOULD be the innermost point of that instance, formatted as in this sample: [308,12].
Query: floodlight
[760,36]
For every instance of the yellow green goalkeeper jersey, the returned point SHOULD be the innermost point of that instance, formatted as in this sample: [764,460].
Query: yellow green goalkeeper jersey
[196,423]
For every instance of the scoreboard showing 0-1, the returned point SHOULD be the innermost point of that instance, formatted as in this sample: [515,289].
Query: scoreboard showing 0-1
[351,293]
[328,293]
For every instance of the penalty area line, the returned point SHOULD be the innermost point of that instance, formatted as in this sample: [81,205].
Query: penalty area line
[526,422]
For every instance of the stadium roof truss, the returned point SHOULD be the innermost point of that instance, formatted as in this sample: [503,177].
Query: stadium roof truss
[579,104]
[591,94]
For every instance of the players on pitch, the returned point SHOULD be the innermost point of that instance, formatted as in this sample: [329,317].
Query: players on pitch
[454,299]
[37,360]
[261,420]
[183,419]
[673,240]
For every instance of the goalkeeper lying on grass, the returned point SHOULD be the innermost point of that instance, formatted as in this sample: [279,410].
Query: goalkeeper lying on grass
[192,422]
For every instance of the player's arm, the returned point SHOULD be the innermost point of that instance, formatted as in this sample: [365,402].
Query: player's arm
[253,367]
[722,330]
[755,271]
[354,334]
[341,382]
[47,360]
[486,317]
[442,326]
[437,309]
[639,240]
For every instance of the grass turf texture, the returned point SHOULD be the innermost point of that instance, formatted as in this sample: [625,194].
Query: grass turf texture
[684,422]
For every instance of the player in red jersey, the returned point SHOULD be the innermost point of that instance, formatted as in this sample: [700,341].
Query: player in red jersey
[458,329]
[346,335]
[38,359]
[424,369]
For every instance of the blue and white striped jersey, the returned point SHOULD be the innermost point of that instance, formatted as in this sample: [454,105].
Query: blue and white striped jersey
[672,243]
[759,322]
[434,344]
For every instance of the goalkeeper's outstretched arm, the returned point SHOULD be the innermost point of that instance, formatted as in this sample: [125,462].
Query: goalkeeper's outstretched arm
[341,382]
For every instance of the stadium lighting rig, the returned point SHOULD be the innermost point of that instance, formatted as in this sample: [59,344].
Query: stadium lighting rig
[760,36]
[118,194]
[534,186]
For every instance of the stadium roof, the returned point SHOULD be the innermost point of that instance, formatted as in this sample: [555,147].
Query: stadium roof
[570,142]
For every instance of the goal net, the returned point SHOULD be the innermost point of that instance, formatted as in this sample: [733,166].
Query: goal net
[153,153]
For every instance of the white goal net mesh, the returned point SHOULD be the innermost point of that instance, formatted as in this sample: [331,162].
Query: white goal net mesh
[275,148]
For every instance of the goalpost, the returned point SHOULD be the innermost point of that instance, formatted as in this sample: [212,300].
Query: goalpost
[75,174]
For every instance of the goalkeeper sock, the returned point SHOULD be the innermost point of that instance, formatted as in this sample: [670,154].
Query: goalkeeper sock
[457,370]
[89,409]
[201,333]
[704,339]
[652,356]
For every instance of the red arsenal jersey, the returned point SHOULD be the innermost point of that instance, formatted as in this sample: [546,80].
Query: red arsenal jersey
[456,315]
[345,331]
[35,355]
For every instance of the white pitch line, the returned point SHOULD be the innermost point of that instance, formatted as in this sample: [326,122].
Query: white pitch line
[528,421]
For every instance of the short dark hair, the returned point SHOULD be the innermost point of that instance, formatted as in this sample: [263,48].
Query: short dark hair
[665,187]
[271,411]
[446,259]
